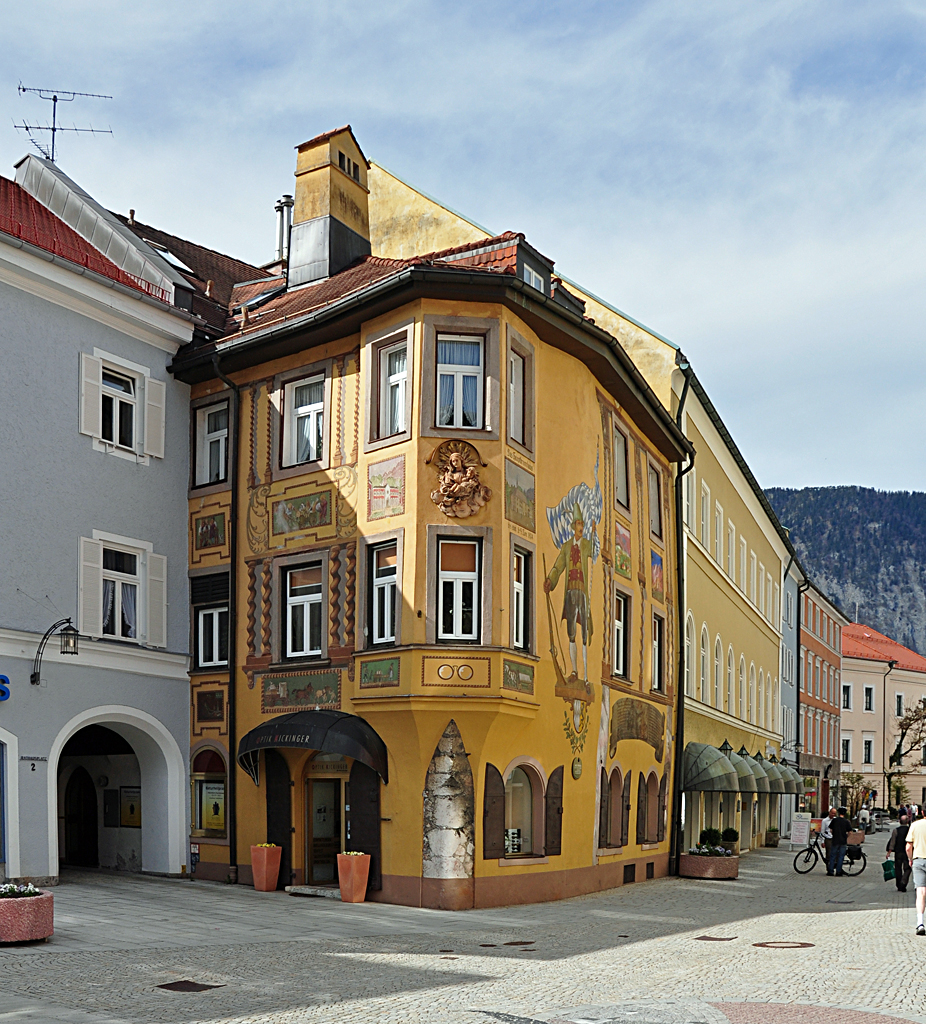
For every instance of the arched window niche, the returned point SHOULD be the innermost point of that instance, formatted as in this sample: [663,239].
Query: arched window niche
[207,783]
[524,803]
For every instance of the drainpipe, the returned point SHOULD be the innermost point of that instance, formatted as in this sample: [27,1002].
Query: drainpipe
[234,418]
[679,763]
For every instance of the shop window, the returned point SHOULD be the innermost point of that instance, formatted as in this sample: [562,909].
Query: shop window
[207,781]
[519,814]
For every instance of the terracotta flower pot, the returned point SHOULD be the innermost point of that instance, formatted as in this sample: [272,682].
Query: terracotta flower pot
[353,872]
[27,918]
[691,865]
[265,865]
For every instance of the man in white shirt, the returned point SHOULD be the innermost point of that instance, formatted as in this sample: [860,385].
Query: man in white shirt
[916,855]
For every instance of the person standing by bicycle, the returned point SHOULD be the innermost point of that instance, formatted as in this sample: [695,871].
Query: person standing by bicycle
[840,828]
[916,854]
[827,837]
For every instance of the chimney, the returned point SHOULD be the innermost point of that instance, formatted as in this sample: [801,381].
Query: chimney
[278,206]
[331,223]
[288,203]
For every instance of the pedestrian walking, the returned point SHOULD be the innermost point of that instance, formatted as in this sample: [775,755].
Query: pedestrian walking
[916,854]
[864,817]
[897,845]
[840,827]
[827,836]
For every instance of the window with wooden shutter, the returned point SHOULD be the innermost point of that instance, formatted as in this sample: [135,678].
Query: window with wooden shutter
[553,840]
[641,809]
[91,389]
[90,588]
[625,811]
[603,805]
[157,600]
[155,401]
[663,795]
[493,815]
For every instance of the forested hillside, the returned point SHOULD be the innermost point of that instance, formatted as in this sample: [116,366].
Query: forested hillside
[866,549]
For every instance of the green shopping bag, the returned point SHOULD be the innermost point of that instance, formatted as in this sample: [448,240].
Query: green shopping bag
[887,866]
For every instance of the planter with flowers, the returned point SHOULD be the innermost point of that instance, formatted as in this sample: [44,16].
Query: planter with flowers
[705,861]
[265,866]
[353,873]
[26,913]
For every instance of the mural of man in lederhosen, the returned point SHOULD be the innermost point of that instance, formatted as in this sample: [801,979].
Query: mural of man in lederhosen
[573,563]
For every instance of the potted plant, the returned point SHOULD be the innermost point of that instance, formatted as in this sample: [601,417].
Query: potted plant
[730,841]
[265,866]
[705,861]
[353,873]
[771,837]
[26,913]
[709,837]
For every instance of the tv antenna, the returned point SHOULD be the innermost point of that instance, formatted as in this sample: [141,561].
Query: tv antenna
[57,96]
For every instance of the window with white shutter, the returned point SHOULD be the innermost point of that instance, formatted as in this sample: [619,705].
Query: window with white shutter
[157,600]
[91,390]
[90,588]
[121,407]
[155,400]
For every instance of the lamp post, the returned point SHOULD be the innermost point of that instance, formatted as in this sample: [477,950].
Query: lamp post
[69,637]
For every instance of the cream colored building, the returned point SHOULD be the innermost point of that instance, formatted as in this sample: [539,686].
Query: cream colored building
[881,681]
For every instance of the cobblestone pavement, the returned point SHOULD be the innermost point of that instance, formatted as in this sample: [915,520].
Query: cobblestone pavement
[672,951]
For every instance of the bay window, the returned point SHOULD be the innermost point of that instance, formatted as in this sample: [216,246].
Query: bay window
[460,380]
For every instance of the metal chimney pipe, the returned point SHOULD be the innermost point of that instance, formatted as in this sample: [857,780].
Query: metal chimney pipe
[278,206]
[288,204]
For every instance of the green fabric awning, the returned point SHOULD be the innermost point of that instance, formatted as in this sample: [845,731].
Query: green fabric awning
[776,783]
[747,779]
[759,772]
[707,770]
[798,779]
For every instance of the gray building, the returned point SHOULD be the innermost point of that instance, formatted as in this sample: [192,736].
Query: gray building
[95,468]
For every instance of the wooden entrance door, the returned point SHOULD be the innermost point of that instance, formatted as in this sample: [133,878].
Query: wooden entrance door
[80,821]
[323,801]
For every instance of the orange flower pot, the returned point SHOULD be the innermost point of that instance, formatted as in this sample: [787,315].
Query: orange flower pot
[265,865]
[353,872]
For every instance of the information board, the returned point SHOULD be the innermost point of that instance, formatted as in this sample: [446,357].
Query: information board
[800,828]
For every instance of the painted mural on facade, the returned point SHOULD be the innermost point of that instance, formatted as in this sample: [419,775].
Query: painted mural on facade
[658,577]
[623,562]
[386,488]
[519,495]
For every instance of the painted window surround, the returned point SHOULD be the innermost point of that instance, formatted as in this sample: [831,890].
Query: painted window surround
[278,607]
[280,471]
[434,533]
[374,343]
[364,590]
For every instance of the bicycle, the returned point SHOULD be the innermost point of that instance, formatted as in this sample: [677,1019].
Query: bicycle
[854,862]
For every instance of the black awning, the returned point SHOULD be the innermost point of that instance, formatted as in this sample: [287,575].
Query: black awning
[330,732]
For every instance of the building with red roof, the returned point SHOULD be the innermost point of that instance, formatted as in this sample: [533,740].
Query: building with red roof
[881,681]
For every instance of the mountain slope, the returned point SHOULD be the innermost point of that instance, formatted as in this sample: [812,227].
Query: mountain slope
[866,549]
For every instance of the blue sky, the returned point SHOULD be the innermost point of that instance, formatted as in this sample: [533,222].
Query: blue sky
[748,179]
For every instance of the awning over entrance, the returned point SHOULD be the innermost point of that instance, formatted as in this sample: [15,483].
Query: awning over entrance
[795,776]
[707,770]
[776,783]
[331,732]
[747,779]
[758,770]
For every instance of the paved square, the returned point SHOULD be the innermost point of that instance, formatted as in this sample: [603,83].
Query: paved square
[641,953]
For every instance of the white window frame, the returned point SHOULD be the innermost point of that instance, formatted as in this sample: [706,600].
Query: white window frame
[204,440]
[869,705]
[203,615]
[384,631]
[149,402]
[654,483]
[534,279]
[846,750]
[718,533]
[704,531]
[731,550]
[519,598]
[753,566]
[868,750]
[899,705]
[458,371]
[517,396]
[388,382]
[457,578]
[304,601]
[743,564]
[760,589]
[688,506]
[318,412]
[119,398]
[620,651]
[120,580]
[621,472]
[846,697]
[789,608]
[658,666]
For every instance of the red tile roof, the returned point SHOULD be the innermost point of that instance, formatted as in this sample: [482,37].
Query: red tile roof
[863,642]
[25,218]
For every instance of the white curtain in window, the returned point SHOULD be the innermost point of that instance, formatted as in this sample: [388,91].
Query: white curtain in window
[109,589]
[445,399]
[129,593]
[459,353]
[469,401]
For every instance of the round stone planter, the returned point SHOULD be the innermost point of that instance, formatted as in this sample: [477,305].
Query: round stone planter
[353,872]
[693,866]
[27,919]
[732,846]
[771,838]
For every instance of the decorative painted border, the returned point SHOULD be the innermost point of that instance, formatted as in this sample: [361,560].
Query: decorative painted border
[276,709]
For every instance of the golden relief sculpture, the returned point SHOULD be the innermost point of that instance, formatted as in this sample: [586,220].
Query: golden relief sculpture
[459,493]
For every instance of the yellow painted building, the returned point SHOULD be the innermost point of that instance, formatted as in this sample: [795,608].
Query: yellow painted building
[734,553]
[444,553]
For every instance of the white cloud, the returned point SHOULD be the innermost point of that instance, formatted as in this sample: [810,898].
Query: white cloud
[748,179]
